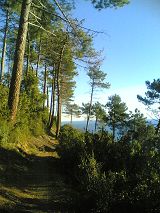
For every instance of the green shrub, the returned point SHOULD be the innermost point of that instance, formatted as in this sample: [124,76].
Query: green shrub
[31,113]
[3,101]
[101,188]
[4,132]
[112,176]
[12,135]
[71,147]
[19,134]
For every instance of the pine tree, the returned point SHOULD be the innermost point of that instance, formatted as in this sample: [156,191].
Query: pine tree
[99,113]
[152,97]
[100,4]
[72,110]
[117,114]
[97,78]
[14,91]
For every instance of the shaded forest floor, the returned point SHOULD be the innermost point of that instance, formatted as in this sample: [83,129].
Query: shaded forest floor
[33,182]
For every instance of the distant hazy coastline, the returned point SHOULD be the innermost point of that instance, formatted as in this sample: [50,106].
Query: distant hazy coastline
[91,128]
[82,124]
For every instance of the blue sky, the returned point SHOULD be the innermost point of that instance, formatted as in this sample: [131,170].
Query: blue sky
[131,48]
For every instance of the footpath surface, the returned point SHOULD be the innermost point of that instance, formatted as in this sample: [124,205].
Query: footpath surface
[34,183]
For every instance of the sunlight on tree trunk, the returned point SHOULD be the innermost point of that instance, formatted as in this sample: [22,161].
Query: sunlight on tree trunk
[59,99]
[14,91]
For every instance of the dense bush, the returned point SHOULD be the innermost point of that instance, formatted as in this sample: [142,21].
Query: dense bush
[31,112]
[71,147]
[31,117]
[3,101]
[112,176]
[98,186]
[11,136]
[4,132]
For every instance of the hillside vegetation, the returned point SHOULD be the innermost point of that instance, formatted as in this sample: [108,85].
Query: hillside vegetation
[47,167]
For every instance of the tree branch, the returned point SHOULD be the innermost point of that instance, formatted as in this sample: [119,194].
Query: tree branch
[35,16]
[41,28]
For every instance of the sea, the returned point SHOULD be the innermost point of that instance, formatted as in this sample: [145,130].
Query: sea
[82,125]
[91,127]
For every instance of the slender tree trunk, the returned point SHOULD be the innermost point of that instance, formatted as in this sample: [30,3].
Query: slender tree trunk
[52,110]
[113,131]
[59,112]
[38,60]
[47,97]
[95,127]
[8,71]
[4,46]
[90,107]
[14,91]
[28,54]
[59,101]
[71,116]
[45,85]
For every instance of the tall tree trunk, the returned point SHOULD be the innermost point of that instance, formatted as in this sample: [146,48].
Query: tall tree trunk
[59,101]
[28,54]
[4,46]
[90,107]
[95,127]
[45,85]
[9,71]
[71,116]
[52,110]
[47,97]
[113,131]
[59,110]
[14,91]
[38,60]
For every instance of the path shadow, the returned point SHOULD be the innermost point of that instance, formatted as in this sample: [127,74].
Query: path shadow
[34,184]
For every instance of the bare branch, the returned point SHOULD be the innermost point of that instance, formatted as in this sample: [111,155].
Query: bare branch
[35,16]
[42,4]
[61,10]
[80,65]
[41,28]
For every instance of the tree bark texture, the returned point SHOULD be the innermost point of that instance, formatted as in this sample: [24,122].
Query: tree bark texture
[14,91]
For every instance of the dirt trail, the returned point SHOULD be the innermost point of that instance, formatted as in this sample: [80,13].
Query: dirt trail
[33,184]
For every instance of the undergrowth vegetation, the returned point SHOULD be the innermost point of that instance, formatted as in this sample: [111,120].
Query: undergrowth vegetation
[31,119]
[46,166]
[112,175]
